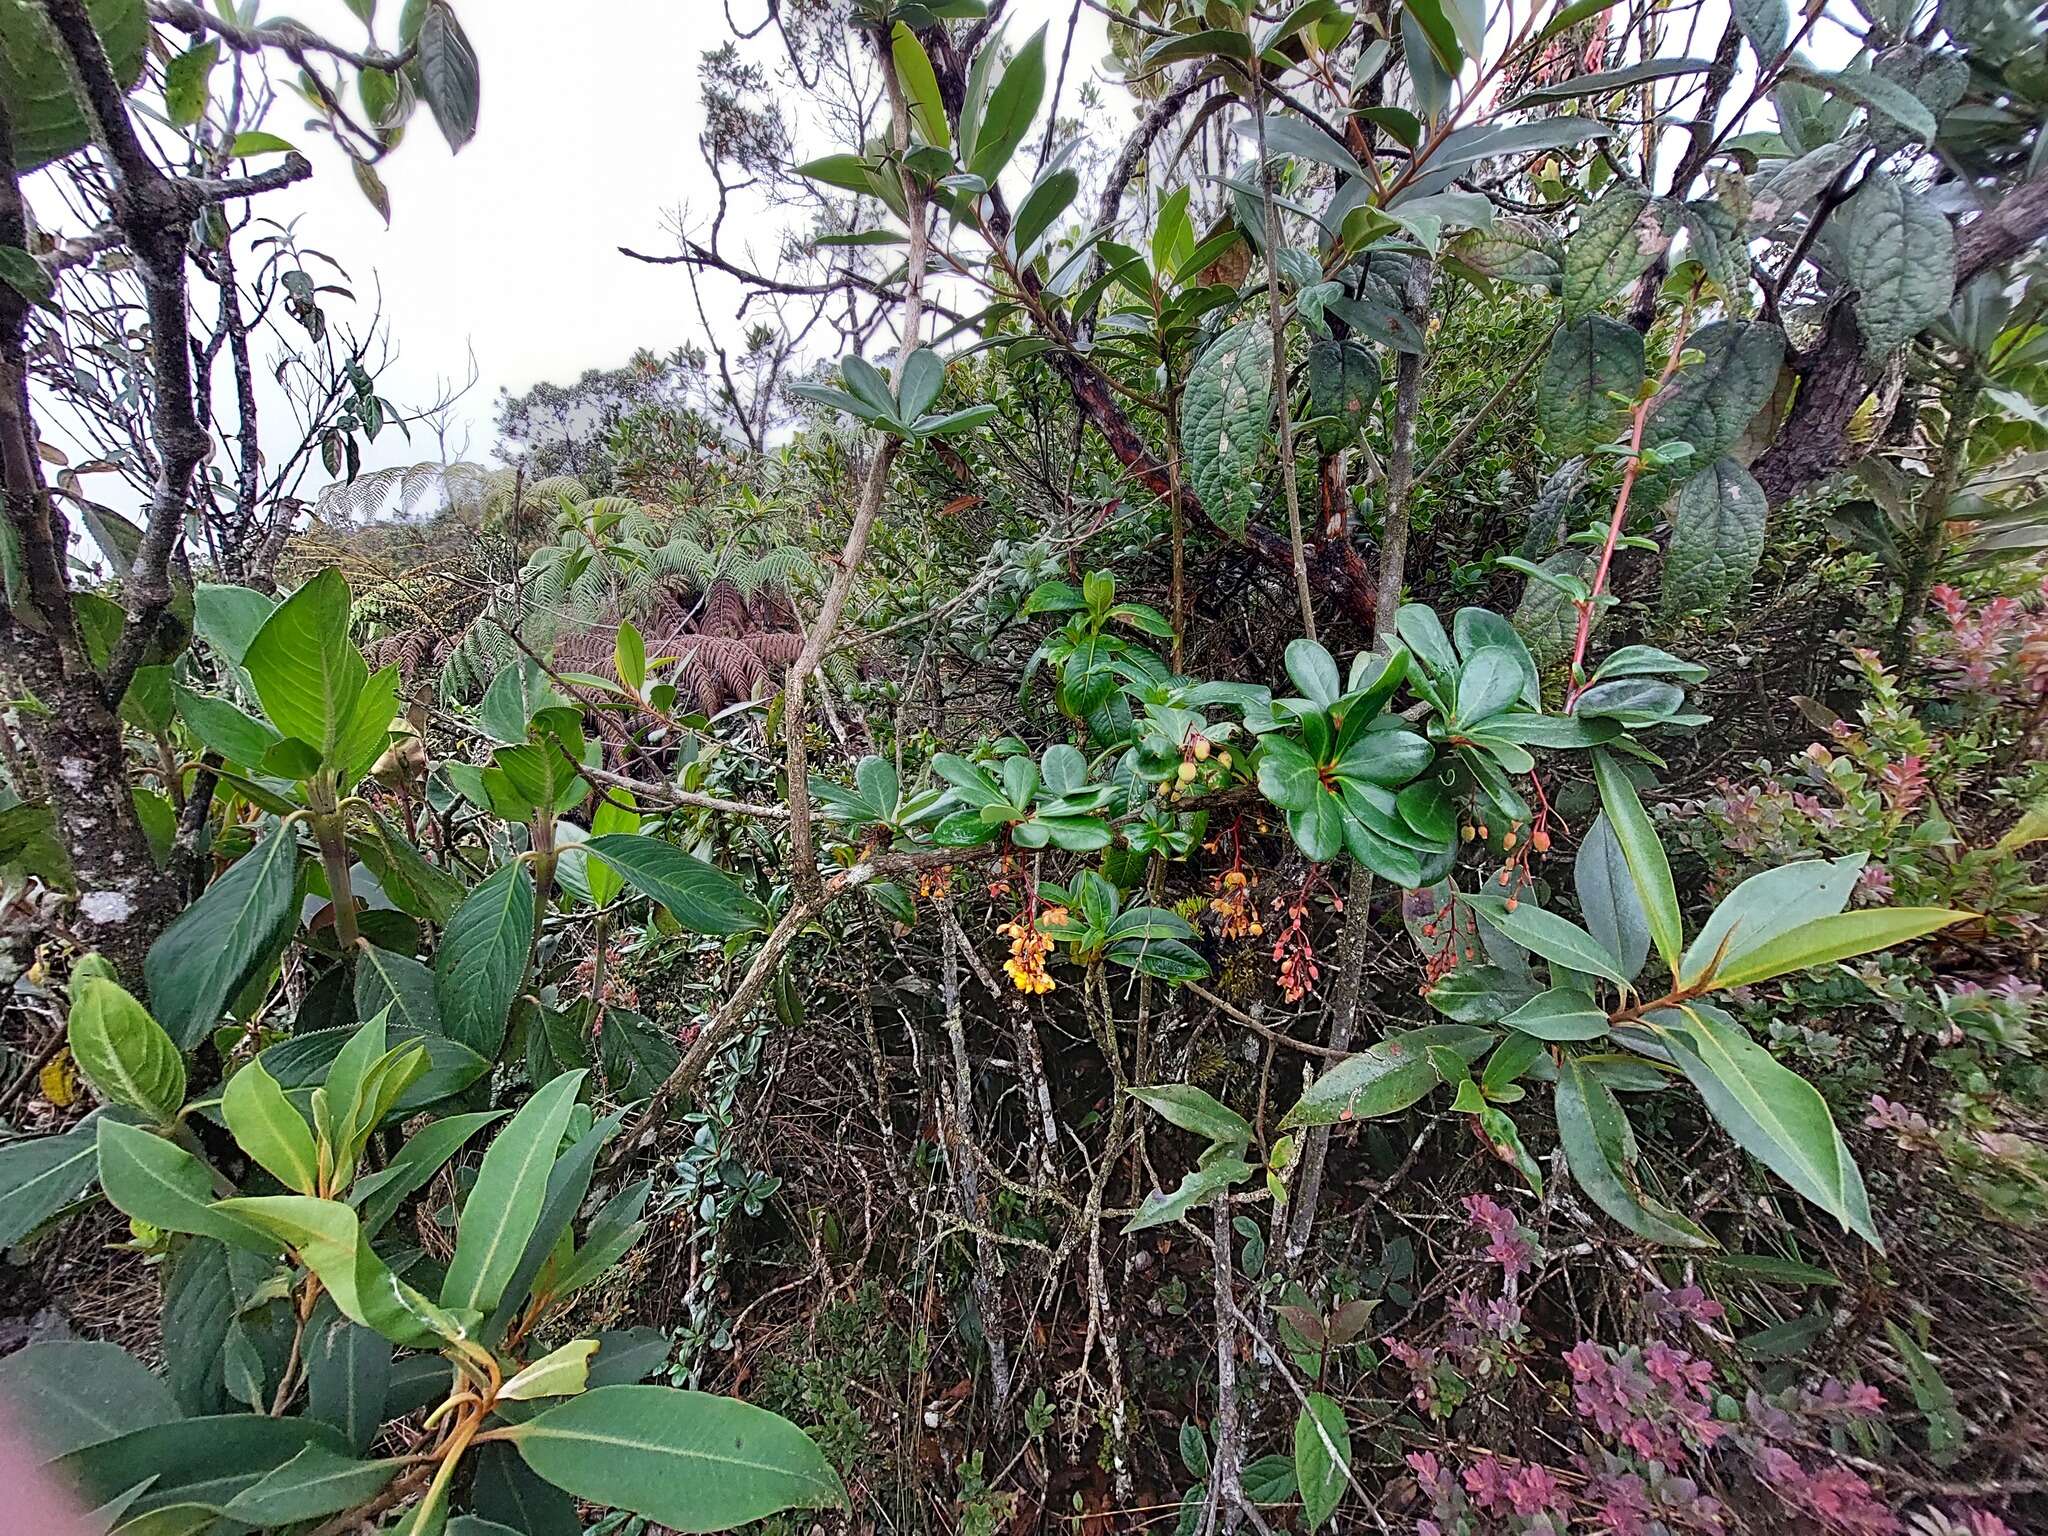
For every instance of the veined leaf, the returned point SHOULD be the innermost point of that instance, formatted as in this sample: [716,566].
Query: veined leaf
[123,1052]
[307,671]
[1555,938]
[701,897]
[1223,421]
[1766,906]
[505,1202]
[70,1393]
[1717,540]
[1600,1150]
[1899,253]
[155,1181]
[1191,1109]
[1385,1078]
[1772,1112]
[1590,359]
[1827,939]
[267,1127]
[682,1459]
[482,958]
[1322,1458]
[208,952]
[1608,899]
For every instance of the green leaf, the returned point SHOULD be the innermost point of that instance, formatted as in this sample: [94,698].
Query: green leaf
[1608,899]
[1200,1185]
[1343,383]
[1932,1395]
[256,142]
[190,1461]
[152,1180]
[1588,360]
[1600,1150]
[1607,81]
[1012,104]
[701,897]
[265,1126]
[209,952]
[348,1375]
[1767,24]
[186,88]
[1717,540]
[1224,411]
[1617,239]
[681,1459]
[1712,403]
[1773,1113]
[327,1238]
[41,1175]
[1827,939]
[228,618]
[1766,907]
[1562,1013]
[1050,197]
[448,74]
[36,91]
[560,1373]
[1880,96]
[1644,853]
[920,86]
[397,986]
[70,1393]
[316,1482]
[306,671]
[482,958]
[1899,254]
[1191,1109]
[509,1492]
[1322,1458]
[1555,938]
[221,727]
[123,1052]
[1385,1078]
[505,1202]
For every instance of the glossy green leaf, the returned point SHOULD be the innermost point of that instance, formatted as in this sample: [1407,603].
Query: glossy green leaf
[449,77]
[1773,1113]
[318,1481]
[701,897]
[377,1195]
[1600,1150]
[190,1461]
[1608,899]
[920,87]
[156,1181]
[1562,1013]
[1386,1077]
[123,1052]
[41,1175]
[209,951]
[505,1202]
[1191,1109]
[348,1375]
[683,1459]
[559,1373]
[1198,1187]
[307,672]
[1555,938]
[1824,940]
[1012,104]
[267,1127]
[1767,906]
[1643,851]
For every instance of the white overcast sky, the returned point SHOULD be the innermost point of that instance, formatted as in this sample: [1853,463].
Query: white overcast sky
[587,141]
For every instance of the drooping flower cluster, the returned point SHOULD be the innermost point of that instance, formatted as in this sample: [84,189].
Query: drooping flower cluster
[1294,952]
[1028,950]
[1236,909]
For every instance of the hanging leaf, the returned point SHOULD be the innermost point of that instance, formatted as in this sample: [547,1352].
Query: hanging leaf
[1608,899]
[1713,401]
[449,78]
[1717,540]
[348,1375]
[1773,1113]
[1012,104]
[1322,1458]
[1617,239]
[1600,1150]
[482,958]
[1224,411]
[1589,360]
[1767,906]
[920,86]
[1899,254]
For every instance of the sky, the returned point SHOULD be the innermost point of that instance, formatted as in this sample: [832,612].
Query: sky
[587,141]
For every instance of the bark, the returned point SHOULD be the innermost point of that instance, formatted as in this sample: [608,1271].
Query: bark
[68,716]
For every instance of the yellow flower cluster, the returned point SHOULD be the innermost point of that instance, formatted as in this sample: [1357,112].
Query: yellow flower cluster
[1028,949]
